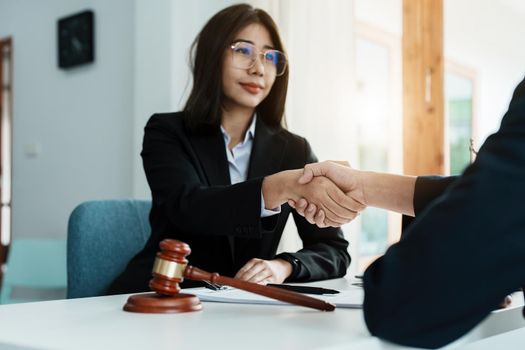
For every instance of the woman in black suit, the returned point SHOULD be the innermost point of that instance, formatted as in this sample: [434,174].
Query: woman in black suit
[219,170]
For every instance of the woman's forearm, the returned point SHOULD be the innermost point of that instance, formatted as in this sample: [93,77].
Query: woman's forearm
[276,188]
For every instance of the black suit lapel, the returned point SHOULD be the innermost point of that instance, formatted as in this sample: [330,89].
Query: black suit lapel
[266,159]
[210,150]
[267,152]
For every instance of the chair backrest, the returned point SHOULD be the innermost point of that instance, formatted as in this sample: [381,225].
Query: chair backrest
[35,270]
[103,236]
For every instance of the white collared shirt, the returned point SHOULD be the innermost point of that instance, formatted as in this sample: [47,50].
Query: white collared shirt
[239,161]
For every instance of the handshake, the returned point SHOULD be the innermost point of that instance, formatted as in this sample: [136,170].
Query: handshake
[327,194]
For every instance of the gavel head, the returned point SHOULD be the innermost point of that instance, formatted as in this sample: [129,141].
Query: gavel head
[168,271]
[169,266]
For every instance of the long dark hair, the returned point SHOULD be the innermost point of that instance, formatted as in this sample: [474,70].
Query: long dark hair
[203,108]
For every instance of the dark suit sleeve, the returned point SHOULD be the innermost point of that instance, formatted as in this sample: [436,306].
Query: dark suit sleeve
[462,255]
[182,194]
[324,254]
[427,189]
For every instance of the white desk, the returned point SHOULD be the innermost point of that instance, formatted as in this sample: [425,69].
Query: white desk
[506,341]
[100,323]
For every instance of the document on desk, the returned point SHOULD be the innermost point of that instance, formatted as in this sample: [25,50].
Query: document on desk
[351,298]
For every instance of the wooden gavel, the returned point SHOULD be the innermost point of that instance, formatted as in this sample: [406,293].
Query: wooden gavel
[171,267]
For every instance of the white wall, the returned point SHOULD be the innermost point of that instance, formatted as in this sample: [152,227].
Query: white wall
[385,14]
[152,76]
[82,119]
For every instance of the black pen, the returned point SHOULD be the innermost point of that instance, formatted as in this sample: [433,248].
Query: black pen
[305,289]
[214,286]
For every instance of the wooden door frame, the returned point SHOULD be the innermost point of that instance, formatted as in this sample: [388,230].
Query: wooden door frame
[423,90]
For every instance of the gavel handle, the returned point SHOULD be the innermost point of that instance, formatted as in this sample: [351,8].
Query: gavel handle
[196,274]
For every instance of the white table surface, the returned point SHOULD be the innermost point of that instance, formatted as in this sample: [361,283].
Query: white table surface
[100,323]
[512,340]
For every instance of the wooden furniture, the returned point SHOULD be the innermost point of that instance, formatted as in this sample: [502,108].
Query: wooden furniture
[171,267]
[168,272]
[100,323]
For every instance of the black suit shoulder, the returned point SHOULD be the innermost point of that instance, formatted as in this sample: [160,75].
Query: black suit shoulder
[298,150]
[173,121]
[295,139]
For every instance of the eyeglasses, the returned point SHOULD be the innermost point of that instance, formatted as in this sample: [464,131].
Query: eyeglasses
[245,54]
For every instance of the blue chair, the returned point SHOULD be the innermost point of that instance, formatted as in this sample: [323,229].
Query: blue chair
[35,271]
[103,236]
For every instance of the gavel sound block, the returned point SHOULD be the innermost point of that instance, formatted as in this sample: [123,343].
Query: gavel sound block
[171,267]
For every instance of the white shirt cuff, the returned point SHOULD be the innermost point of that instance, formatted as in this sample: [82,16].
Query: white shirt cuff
[268,212]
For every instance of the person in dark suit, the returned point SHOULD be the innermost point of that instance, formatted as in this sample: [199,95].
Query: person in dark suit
[465,249]
[219,170]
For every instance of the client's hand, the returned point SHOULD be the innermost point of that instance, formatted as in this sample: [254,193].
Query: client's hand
[332,207]
[343,176]
[265,271]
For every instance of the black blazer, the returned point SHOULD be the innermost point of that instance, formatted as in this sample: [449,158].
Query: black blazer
[194,201]
[465,250]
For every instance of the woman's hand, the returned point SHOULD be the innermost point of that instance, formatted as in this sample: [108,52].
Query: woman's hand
[309,212]
[265,271]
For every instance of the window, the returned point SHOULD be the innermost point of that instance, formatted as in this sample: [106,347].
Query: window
[459,114]
[377,114]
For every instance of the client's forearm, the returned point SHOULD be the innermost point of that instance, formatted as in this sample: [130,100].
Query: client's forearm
[388,191]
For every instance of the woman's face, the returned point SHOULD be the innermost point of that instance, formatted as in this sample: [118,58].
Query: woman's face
[247,87]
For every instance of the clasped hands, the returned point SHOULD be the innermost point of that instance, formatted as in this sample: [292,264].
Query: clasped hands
[349,193]
[327,194]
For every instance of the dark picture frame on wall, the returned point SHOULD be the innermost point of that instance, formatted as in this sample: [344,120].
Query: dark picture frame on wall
[76,39]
